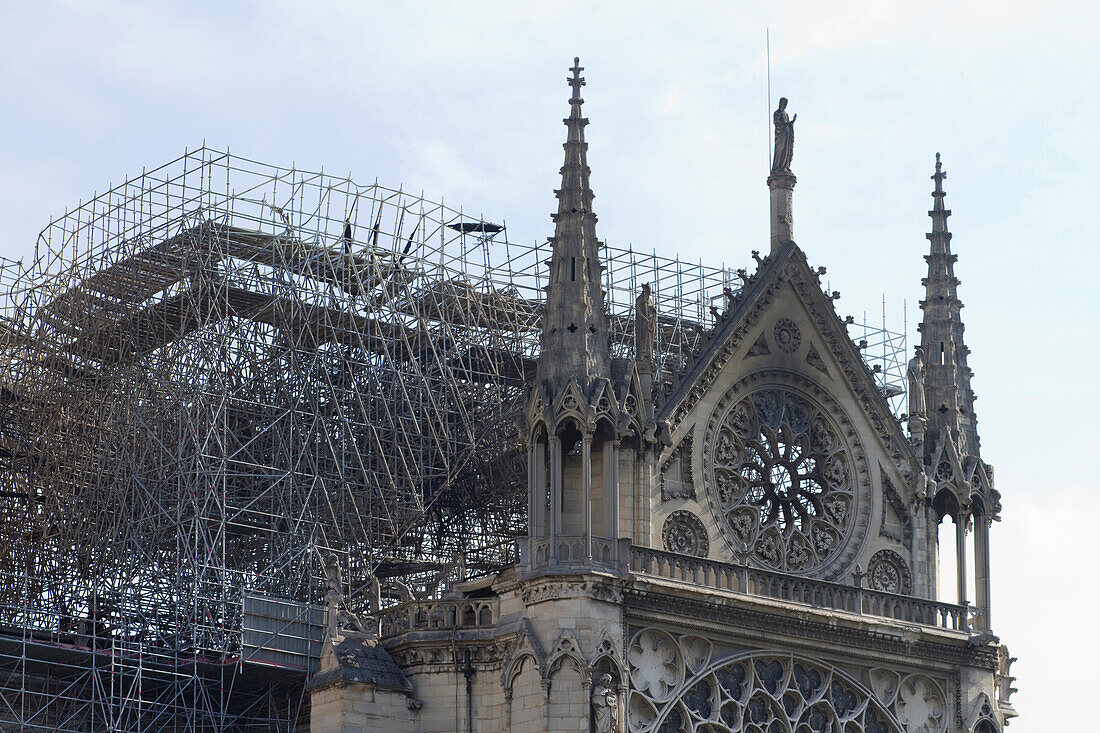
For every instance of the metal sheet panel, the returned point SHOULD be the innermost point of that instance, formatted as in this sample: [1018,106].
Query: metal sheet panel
[281,632]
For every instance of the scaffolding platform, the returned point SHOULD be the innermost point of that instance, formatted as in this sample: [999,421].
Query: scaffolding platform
[220,372]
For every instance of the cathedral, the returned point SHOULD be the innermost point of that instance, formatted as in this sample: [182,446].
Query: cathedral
[755,548]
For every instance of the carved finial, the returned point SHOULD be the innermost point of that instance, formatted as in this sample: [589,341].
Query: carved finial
[576,81]
[938,177]
[858,575]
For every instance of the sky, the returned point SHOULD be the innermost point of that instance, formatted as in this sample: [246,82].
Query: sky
[464,101]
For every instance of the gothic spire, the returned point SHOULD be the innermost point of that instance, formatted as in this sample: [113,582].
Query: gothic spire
[575,338]
[949,400]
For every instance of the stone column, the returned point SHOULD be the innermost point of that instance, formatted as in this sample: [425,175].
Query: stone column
[586,473]
[555,495]
[960,554]
[932,541]
[782,215]
[611,489]
[646,369]
[921,555]
[981,570]
[538,508]
[645,460]
[532,496]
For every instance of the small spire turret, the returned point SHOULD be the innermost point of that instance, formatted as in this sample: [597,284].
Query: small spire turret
[574,418]
[575,337]
[942,422]
[948,398]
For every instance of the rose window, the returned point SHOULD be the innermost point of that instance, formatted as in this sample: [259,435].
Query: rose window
[780,479]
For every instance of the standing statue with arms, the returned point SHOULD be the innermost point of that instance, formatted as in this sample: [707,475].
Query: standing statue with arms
[645,325]
[784,139]
[605,706]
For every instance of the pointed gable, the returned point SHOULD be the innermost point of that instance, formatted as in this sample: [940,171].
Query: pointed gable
[781,410]
[788,274]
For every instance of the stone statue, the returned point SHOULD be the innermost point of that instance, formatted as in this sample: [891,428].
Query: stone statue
[339,617]
[784,139]
[605,706]
[915,373]
[645,325]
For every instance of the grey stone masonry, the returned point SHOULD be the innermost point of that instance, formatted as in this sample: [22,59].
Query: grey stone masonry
[948,398]
[575,335]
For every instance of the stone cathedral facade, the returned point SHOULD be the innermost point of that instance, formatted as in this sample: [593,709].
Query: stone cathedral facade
[756,551]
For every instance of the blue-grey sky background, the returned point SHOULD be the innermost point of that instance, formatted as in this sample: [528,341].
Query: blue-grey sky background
[465,100]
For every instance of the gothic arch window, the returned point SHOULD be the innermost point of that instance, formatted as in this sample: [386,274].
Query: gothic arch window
[785,476]
[677,687]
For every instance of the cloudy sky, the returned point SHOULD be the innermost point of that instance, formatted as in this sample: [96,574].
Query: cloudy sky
[464,101]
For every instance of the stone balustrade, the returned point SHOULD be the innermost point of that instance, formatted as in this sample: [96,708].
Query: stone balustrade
[796,589]
[461,613]
[568,551]
[477,613]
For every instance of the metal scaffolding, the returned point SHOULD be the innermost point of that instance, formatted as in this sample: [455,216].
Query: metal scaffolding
[220,372]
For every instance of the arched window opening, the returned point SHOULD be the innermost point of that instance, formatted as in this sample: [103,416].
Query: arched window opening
[948,562]
[953,558]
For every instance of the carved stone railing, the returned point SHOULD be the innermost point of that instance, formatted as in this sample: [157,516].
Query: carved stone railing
[568,552]
[462,613]
[796,589]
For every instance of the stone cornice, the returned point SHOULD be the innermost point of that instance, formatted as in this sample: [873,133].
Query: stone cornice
[805,627]
[443,650]
[554,588]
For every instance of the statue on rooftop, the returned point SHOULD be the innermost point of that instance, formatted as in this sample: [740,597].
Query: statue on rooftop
[339,617]
[645,325]
[784,139]
[915,373]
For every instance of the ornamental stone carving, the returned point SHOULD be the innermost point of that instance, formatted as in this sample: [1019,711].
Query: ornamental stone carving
[758,691]
[684,533]
[677,481]
[605,706]
[813,358]
[656,664]
[786,486]
[787,336]
[888,572]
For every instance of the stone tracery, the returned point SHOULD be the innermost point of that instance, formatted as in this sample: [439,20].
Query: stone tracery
[780,479]
[787,336]
[766,692]
[889,572]
[684,533]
